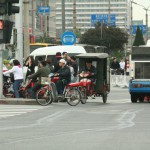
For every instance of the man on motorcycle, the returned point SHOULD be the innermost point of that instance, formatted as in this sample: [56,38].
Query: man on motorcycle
[64,76]
[43,71]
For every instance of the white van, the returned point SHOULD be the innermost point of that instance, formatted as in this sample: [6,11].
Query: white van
[48,53]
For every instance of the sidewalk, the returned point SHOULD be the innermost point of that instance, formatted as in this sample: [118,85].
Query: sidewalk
[22,101]
[18,101]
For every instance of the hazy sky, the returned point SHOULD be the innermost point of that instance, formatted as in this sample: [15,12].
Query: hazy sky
[139,12]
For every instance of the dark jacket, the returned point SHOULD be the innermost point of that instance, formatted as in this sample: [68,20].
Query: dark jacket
[115,65]
[42,72]
[75,67]
[56,64]
[64,73]
[30,69]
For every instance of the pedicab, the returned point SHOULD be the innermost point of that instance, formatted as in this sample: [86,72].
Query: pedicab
[100,87]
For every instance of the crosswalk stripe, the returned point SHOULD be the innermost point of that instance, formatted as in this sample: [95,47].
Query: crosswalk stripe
[15,110]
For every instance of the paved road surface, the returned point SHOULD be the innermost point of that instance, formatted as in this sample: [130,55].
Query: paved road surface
[117,125]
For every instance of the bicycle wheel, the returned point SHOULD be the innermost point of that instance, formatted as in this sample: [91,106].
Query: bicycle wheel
[83,95]
[44,96]
[73,96]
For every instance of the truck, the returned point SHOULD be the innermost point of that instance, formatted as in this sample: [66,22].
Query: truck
[139,84]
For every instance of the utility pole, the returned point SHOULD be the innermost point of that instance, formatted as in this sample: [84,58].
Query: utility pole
[74,16]
[19,27]
[131,25]
[26,29]
[109,13]
[63,15]
[45,19]
[33,16]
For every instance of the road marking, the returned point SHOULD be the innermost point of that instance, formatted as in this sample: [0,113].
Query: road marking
[15,110]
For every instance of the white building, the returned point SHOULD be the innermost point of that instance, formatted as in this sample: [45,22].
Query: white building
[84,10]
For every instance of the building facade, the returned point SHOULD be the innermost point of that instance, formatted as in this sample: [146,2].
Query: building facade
[51,23]
[86,8]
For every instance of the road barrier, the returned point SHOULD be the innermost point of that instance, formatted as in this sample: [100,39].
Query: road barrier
[119,80]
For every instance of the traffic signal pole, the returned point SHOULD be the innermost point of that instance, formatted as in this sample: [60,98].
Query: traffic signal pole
[19,27]
[1,70]
[26,29]
[2,45]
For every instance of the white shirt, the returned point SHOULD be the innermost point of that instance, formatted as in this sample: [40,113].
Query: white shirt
[17,71]
[122,65]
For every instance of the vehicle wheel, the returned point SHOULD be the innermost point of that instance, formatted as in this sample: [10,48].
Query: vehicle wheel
[104,96]
[73,96]
[83,95]
[44,97]
[133,98]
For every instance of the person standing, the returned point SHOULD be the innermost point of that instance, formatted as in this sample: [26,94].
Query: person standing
[31,65]
[55,64]
[122,66]
[66,57]
[127,67]
[75,67]
[114,66]
[71,71]
[18,76]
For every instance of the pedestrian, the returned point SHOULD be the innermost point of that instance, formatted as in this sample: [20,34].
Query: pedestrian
[31,66]
[122,66]
[114,66]
[75,67]
[127,68]
[71,71]
[55,64]
[66,57]
[18,76]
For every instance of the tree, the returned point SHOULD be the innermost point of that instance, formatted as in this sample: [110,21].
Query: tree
[139,40]
[101,35]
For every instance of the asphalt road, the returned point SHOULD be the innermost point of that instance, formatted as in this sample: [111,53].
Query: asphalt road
[117,125]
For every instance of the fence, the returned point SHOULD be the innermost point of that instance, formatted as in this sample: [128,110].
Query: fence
[119,80]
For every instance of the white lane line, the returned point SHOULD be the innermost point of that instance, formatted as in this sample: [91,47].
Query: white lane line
[9,111]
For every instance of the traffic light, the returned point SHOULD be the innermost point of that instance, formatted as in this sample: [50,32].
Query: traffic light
[3,7]
[11,8]
[1,31]
[5,31]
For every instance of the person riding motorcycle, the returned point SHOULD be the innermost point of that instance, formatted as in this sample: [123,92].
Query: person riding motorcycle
[64,76]
[43,71]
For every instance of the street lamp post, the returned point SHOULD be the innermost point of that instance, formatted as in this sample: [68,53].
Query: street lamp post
[146,16]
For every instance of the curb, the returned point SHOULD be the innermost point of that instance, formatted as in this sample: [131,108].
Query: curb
[12,101]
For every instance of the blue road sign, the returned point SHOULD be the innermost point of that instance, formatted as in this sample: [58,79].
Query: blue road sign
[68,38]
[142,27]
[103,18]
[44,9]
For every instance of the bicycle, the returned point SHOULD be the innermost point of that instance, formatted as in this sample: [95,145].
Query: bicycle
[44,94]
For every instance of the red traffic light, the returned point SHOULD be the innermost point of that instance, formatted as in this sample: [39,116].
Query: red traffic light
[1,24]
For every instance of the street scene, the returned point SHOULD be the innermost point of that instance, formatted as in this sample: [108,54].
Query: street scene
[75,75]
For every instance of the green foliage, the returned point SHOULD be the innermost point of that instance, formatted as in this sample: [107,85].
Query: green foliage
[7,64]
[139,40]
[112,38]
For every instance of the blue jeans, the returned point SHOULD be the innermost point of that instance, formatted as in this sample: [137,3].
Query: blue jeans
[35,88]
[16,86]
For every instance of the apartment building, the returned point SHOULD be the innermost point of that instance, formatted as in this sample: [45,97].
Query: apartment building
[52,23]
[84,10]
